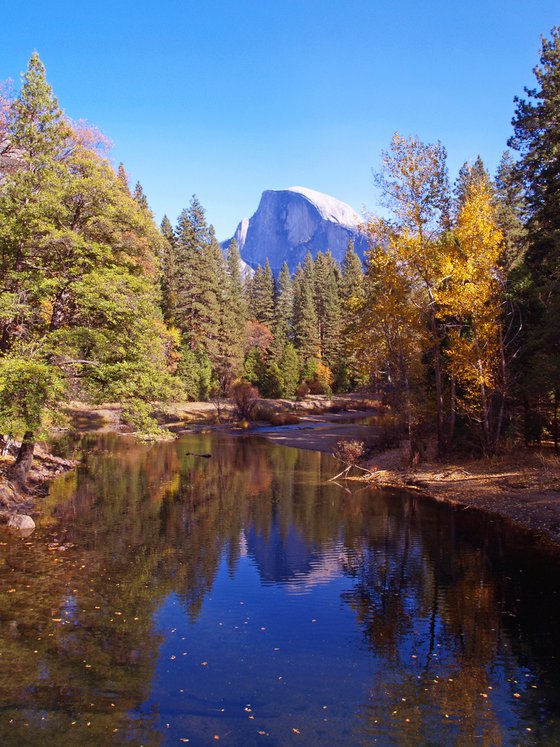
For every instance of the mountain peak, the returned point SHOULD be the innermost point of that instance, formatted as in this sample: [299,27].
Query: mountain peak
[330,207]
[290,222]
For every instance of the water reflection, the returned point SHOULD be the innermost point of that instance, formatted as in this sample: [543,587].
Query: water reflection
[166,597]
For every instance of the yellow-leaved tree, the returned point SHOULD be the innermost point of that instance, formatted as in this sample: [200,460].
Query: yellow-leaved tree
[415,187]
[389,335]
[471,300]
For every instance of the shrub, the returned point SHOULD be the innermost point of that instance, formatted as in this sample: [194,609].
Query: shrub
[349,452]
[302,390]
[320,382]
[245,397]
[283,418]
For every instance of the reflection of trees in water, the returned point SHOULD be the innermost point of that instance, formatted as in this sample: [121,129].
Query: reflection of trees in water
[150,520]
[443,621]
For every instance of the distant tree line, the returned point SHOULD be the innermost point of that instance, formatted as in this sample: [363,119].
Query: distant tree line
[455,321]
[277,333]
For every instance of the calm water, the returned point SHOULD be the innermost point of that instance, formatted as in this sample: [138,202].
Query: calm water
[243,600]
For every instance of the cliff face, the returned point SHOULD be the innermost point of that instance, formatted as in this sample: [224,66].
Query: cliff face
[291,222]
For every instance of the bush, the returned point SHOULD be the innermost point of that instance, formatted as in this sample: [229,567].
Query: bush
[139,416]
[302,390]
[349,452]
[320,382]
[283,418]
[245,397]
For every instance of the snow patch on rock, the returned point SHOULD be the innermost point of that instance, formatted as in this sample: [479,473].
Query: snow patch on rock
[329,207]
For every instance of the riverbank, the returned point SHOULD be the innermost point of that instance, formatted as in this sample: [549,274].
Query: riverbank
[18,502]
[523,486]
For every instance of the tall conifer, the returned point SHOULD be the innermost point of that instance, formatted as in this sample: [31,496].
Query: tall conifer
[284,308]
[327,305]
[262,295]
[306,331]
[169,271]
[352,281]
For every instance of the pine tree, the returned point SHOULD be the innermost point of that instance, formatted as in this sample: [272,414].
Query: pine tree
[469,174]
[290,369]
[271,383]
[37,127]
[511,210]
[306,327]
[122,176]
[261,295]
[169,271]
[140,197]
[352,293]
[238,294]
[327,305]
[199,290]
[352,281]
[233,320]
[537,138]
[284,307]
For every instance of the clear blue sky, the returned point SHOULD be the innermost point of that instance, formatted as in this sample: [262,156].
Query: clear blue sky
[225,99]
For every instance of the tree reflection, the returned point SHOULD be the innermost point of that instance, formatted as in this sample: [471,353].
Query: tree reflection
[434,594]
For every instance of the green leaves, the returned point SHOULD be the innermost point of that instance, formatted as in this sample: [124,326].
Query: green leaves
[28,388]
[79,271]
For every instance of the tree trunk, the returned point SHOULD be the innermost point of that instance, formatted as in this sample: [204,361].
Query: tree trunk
[486,437]
[20,468]
[452,413]
[555,420]
[503,393]
[441,440]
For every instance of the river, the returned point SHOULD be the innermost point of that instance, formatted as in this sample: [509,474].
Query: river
[243,599]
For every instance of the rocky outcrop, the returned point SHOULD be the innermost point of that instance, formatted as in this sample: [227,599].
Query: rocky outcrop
[291,222]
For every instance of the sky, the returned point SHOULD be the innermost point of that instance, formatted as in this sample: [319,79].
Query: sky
[225,99]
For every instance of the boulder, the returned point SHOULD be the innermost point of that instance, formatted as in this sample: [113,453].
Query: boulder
[21,524]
